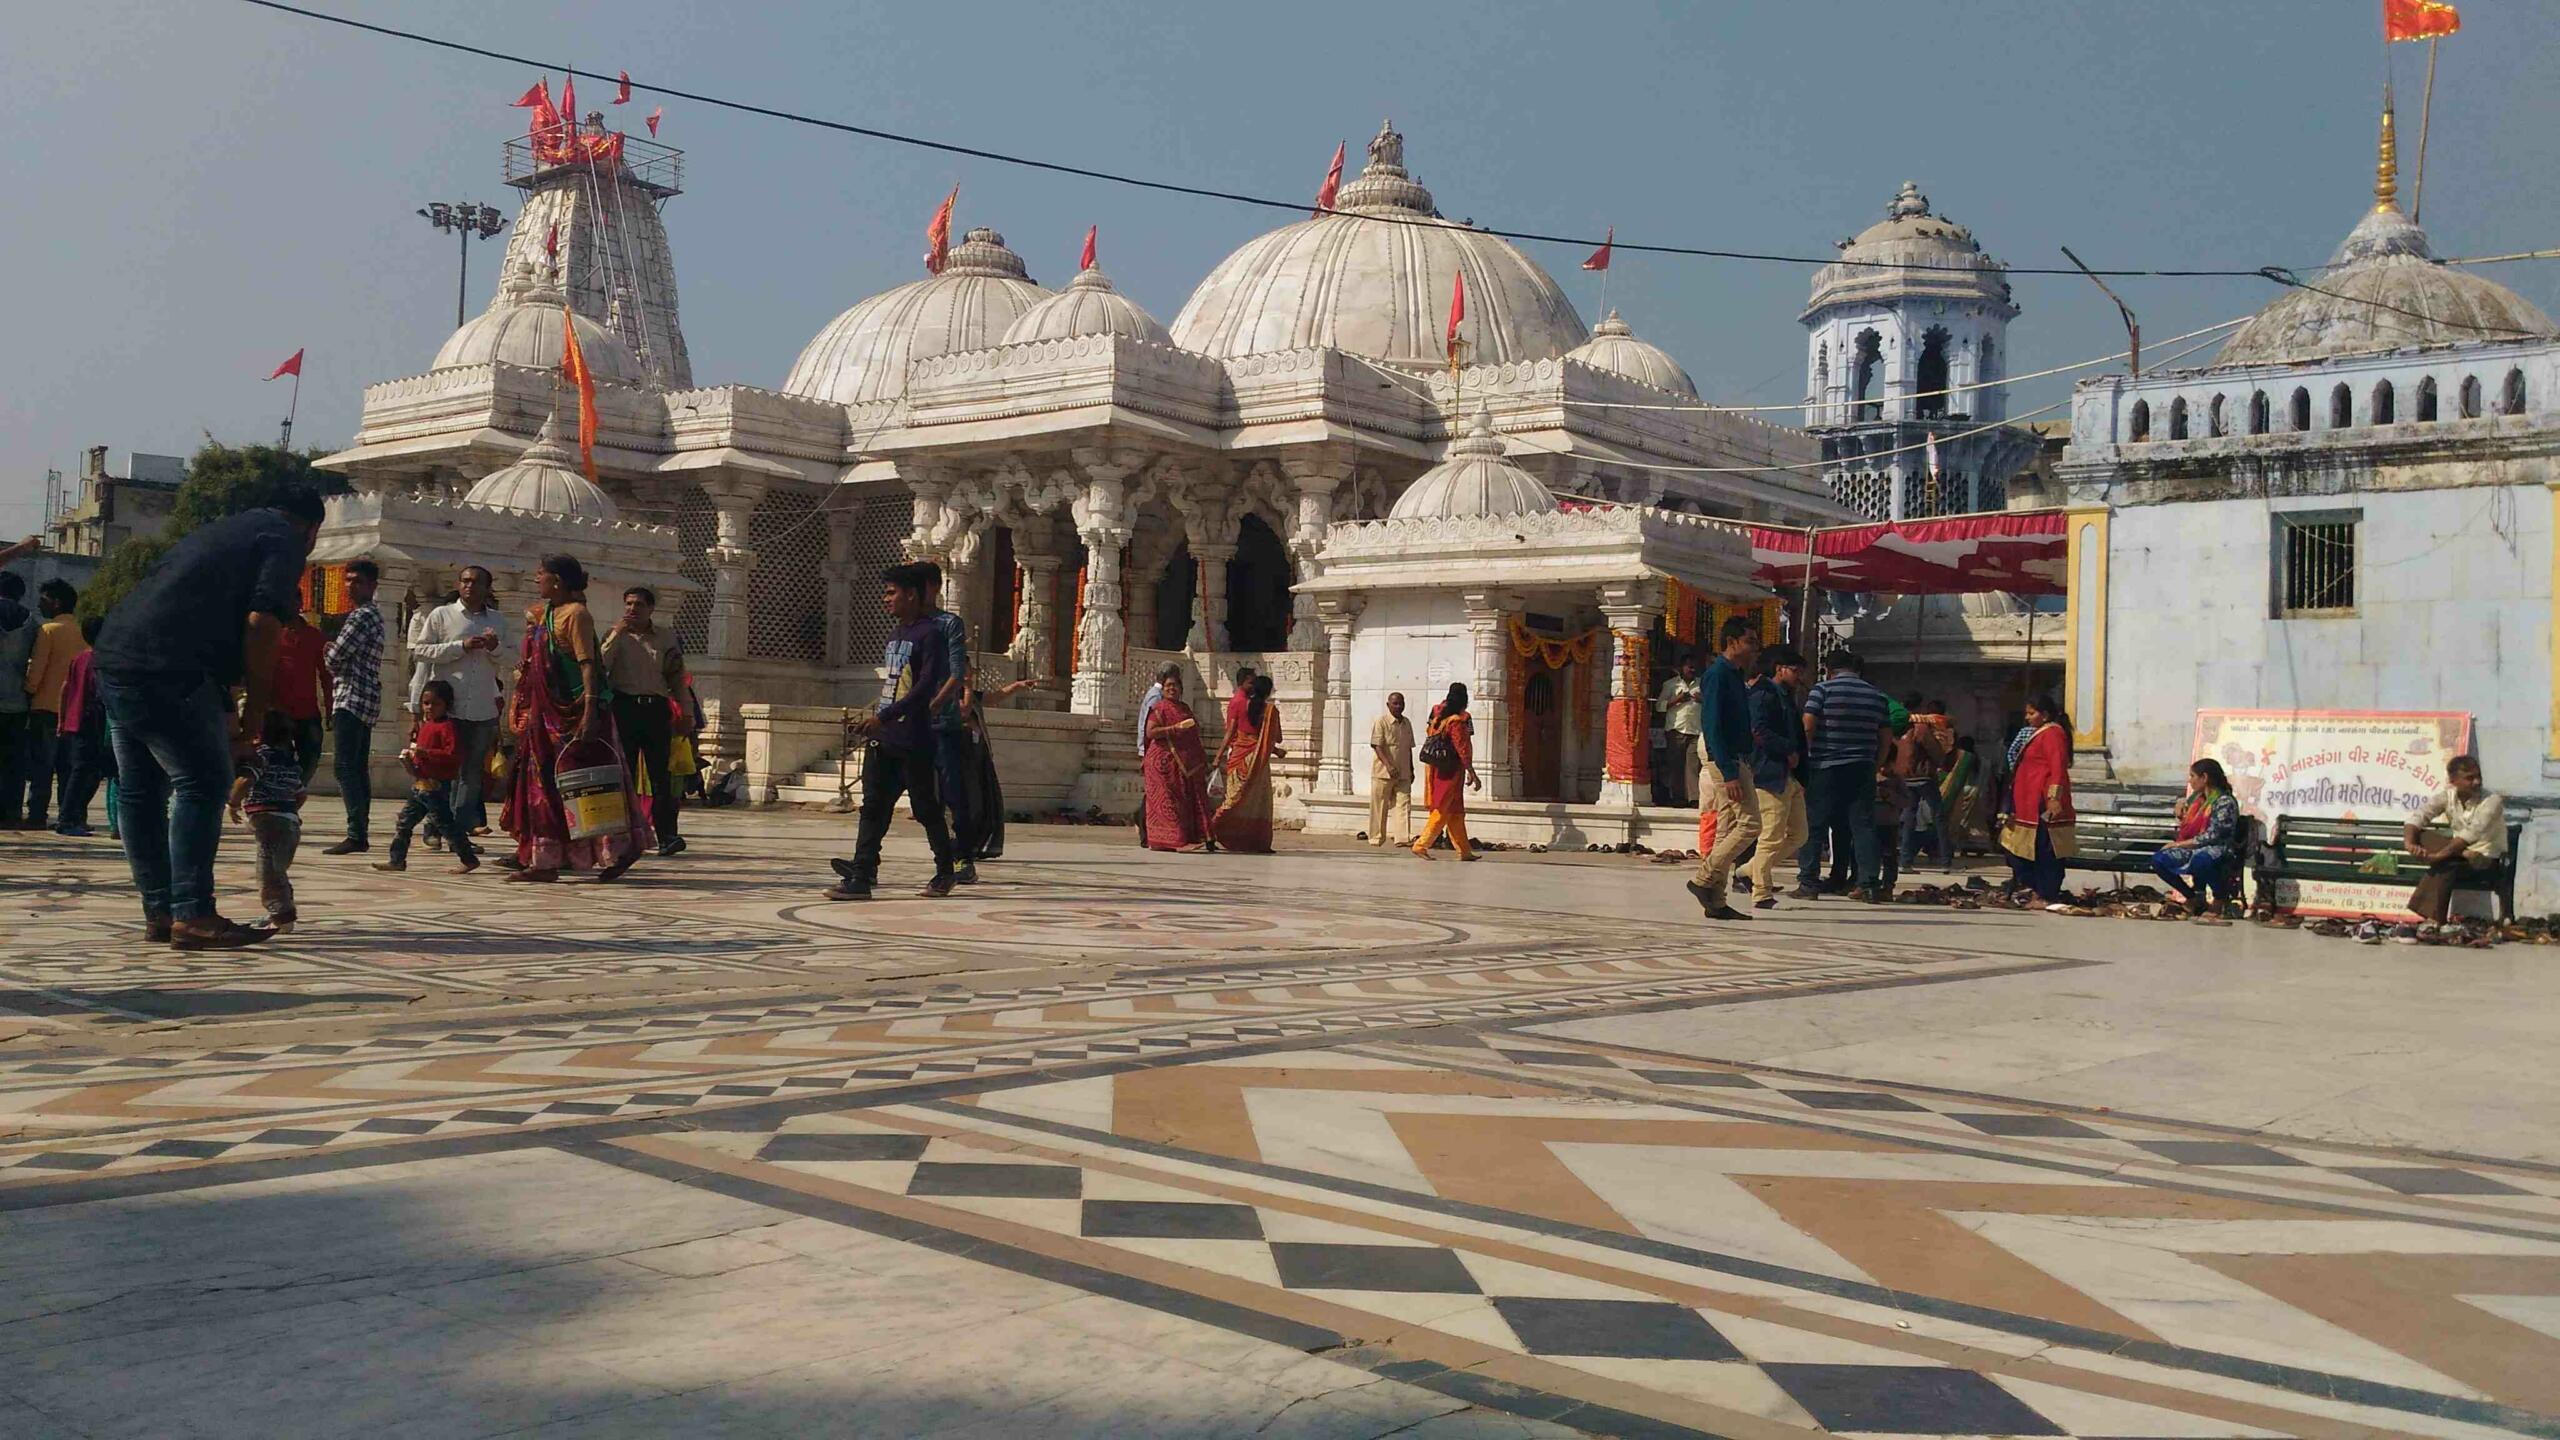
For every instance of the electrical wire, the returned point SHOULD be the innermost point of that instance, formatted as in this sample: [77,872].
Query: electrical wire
[1203,192]
[2282,276]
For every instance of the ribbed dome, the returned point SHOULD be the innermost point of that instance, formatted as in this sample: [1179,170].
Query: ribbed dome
[522,327]
[863,354]
[1474,480]
[544,481]
[1613,347]
[1944,262]
[1380,290]
[2386,290]
[1088,306]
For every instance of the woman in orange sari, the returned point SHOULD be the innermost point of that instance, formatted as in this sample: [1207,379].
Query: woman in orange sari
[2037,827]
[1447,787]
[1243,822]
[1176,772]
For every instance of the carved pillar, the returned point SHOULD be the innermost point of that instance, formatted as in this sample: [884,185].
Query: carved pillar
[1102,520]
[961,591]
[1035,626]
[1489,699]
[1627,772]
[733,499]
[841,582]
[1337,614]
[1315,480]
[1209,598]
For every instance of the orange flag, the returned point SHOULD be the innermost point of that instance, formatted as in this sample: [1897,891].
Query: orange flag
[1457,315]
[622,96]
[937,235]
[573,368]
[1332,180]
[2418,19]
[654,117]
[1092,235]
[1600,258]
[292,367]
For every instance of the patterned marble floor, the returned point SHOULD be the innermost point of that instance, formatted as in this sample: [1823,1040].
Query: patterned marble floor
[1290,1100]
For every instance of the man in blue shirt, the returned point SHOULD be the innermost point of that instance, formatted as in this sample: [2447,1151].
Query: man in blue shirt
[898,758]
[1845,727]
[1777,730]
[1724,775]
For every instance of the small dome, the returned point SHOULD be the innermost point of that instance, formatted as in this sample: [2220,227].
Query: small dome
[2384,290]
[864,353]
[544,481]
[1381,290]
[1911,253]
[1088,306]
[1476,479]
[522,327]
[1613,347]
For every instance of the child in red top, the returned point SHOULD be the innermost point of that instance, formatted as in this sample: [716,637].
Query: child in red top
[434,757]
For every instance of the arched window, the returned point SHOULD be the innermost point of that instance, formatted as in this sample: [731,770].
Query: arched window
[2470,397]
[2214,422]
[2301,408]
[2342,407]
[1990,360]
[2427,400]
[2258,412]
[2380,414]
[2178,418]
[1866,368]
[2141,419]
[1258,581]
[1930,400]
[2511,396]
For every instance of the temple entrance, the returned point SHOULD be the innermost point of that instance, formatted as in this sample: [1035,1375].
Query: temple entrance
[1004,575]
[1542,736]
[1176,591]
[1258,582]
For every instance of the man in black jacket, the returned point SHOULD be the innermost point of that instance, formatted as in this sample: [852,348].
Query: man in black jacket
[1724,779]
[1777,768]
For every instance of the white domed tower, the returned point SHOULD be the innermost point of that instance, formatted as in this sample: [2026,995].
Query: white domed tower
[1906,338]
[600,191]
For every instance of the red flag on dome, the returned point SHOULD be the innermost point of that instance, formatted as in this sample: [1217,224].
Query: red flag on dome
[537,98]
[569,99]
[1092,234]
[937,234]
[1600,258]
[1332,180]
[653,121]
[1457,315]
[623,95]
[573,368]
[2418,19]
[292,367]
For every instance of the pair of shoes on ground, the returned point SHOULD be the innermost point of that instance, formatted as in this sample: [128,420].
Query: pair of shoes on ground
[211,932]
[396,867]
[671,847]
[1711,903]
[851,884]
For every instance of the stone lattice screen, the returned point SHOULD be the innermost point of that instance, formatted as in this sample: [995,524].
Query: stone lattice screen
[696,527]
[1870,495]
[787,590]
[877,536]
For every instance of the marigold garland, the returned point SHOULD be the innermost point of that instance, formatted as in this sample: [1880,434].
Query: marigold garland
[1556,653]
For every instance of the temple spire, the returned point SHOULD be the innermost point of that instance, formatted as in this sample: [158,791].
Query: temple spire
[2386,169]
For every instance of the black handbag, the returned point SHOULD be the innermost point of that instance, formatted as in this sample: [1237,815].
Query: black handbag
[1440,753]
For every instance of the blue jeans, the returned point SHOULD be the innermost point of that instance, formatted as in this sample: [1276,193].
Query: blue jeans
[354,740]
[2206,865]
[470,808]
[173,772]
[1841,798]
[1929,835]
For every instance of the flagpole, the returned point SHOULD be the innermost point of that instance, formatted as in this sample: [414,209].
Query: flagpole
[2426,108]
[292,407]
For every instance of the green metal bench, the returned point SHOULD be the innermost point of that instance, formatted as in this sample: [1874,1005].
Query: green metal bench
[2312,848]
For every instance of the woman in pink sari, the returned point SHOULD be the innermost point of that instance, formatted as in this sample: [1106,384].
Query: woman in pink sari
[1176,772]
[1243,823]
[561,706]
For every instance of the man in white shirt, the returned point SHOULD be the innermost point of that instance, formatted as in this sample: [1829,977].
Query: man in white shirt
[460,644]
[2469,833]
[1678,703]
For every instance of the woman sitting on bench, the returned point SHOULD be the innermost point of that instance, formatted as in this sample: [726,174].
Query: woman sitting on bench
[2472,837]
[2207,840]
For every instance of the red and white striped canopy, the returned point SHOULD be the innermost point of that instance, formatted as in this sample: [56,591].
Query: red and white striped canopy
[2021,552]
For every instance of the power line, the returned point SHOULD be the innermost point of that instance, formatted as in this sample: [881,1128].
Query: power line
[2282,276]
[1203,192]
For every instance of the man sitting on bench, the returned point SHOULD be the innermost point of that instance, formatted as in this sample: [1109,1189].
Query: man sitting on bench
[2207,840]
[2472,840]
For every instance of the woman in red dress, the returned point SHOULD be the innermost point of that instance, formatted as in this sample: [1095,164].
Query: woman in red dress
[2038,830]
[1243,822]
[1447,788]
[1176,773]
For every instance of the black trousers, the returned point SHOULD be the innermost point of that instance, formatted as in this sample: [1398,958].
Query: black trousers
[355,772]
[307,735]
[647,728]
[887,774]
[430,801]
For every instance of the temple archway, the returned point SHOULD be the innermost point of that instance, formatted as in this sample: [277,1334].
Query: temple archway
[1177,591]
[1258,581]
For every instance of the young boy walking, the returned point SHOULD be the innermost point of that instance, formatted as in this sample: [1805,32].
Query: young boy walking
[434,758]
[269,790]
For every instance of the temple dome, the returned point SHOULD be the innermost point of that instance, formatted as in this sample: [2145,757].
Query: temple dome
[1613,347]
[544,481]
[1475,479]
[1911,252]
[1088,306]
[2384,290]
[1350,283]
[864,353]
[522,327]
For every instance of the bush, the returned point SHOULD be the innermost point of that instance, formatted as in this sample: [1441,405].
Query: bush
[221,480]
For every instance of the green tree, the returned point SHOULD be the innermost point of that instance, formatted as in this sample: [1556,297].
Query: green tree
[221,480]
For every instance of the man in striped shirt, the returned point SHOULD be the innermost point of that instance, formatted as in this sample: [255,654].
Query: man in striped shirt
[1845,734]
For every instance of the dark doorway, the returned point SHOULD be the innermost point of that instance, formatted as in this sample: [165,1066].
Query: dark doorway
[1864,378]
[1258,589]
[1006,579]
[1931,402]
[1542,736]
[1175,591]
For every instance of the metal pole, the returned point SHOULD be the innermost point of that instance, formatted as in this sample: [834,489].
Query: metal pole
[2132,327]
[462,285]
[291,408]
[2426,108]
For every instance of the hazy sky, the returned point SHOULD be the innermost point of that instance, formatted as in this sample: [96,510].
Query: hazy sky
[200,187]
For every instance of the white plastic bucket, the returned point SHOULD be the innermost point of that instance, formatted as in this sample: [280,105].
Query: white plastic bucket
[591,799]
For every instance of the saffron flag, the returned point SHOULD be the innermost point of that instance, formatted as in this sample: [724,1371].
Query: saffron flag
[292,367]
[1457,314]
[623,95]
[2418,19]
[537,98]
[551,244]
[1092,234]
[937,234]
[569,98]
[1332,180]
[1600,258]
[653,121]
[573,368]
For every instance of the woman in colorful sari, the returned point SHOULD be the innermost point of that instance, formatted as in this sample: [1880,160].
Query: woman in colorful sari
[1243,822]
[2201,857]
[2037,829]
[1960,799]
[1176,772]
[561,706]
[1446,789]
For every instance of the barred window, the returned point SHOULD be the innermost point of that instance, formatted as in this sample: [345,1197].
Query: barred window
[2316,563]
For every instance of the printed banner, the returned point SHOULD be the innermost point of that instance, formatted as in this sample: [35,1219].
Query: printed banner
[2379,765]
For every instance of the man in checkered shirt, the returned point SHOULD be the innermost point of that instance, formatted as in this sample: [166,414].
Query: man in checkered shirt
[355,669]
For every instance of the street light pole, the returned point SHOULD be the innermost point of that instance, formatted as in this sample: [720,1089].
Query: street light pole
[468,220]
